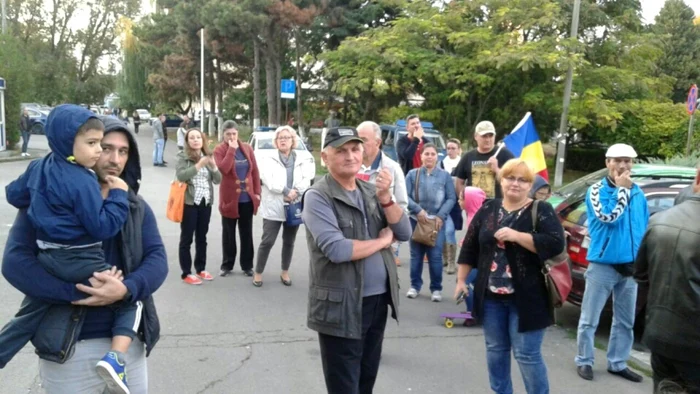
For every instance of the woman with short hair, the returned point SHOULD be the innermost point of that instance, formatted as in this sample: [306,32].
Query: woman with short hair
[510,296]
[284,178]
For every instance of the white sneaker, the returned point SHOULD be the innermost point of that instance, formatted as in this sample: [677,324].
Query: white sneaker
[437,296]
[412,293]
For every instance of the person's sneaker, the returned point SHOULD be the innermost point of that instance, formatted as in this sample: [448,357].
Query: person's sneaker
[113,372]
[412,293]
[204,275]
[437,296]
[248,272]
[192,280]
[225,272]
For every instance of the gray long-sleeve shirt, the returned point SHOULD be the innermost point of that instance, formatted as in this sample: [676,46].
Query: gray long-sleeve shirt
[157,130]
[320,219]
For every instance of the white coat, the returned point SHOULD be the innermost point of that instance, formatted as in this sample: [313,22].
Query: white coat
[273,176]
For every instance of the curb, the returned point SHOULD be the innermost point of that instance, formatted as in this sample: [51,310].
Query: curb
[18,157]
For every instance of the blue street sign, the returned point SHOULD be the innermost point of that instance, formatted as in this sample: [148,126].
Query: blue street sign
[692,103]
[2,84]
[288,89]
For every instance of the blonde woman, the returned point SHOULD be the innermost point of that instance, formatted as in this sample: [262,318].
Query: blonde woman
[197,168]
[284,178]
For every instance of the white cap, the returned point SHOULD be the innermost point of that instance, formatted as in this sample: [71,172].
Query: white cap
[485,127]
[621,150]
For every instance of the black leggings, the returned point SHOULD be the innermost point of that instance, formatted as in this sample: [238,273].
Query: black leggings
[195,222]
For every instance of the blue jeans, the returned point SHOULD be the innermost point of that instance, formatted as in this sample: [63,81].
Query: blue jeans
[471,279]
[158,146]
[601,280]
[25,140]
[501,334]
[418,251]
[450,233]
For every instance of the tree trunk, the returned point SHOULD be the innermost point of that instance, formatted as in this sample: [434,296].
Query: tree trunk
[256,83]
[300,119]
[212,96]
[270,88]
[278,87]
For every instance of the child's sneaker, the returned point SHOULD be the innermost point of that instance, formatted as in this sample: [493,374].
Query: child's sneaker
[113,372]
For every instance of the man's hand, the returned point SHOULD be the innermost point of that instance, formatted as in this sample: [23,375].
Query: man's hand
[461,288]
[114,182]
[233,144]
[111,291]
[387,236]
[624,180]
[419,133]
[493,164]
[383,183]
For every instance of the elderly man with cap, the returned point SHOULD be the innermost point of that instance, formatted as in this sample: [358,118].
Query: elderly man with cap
[350,225]
[479,167]
[617,219]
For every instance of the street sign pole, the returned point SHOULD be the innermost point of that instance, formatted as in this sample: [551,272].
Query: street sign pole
[691,105]
[564,124]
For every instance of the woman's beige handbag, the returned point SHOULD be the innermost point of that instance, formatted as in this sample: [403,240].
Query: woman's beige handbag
[425,232]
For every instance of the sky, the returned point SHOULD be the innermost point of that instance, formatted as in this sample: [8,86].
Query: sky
[651,8]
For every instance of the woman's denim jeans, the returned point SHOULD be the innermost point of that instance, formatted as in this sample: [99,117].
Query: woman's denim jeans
[471,280]
[418,251]
[501,334]
[25,140]
[450,233]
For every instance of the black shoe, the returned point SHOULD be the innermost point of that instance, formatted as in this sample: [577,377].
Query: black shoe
[225,272]
[628,374]
[585,372]
[248,272]
[165,162]
[287,282]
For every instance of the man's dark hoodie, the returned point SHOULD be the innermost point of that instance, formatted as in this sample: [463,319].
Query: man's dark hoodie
[64,198]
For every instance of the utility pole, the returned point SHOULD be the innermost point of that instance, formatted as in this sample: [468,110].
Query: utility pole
[201,82]
[4,16]
[564,124]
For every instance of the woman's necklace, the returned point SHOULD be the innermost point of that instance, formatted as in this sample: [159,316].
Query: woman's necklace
[519,207]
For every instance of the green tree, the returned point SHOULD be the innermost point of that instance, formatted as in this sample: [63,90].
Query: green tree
[15,68]
[681,46]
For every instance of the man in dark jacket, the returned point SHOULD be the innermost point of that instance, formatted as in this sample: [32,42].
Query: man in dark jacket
[137,251]
[350,225]
[25,129]
[668,263]
[410,147]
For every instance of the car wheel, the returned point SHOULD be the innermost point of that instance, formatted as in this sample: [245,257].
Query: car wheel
[37,128]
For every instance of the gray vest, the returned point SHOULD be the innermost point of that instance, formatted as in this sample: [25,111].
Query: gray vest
[335,289]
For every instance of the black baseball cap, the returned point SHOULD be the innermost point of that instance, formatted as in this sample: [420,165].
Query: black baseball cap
[337,136]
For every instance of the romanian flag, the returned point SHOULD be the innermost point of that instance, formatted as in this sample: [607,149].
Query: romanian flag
[525,143]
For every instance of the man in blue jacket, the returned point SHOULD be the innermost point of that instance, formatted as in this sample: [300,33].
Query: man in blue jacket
[76,331]
[617,219]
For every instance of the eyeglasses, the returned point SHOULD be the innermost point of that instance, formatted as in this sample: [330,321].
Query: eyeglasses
[284,138]
[512,179]
[543,194]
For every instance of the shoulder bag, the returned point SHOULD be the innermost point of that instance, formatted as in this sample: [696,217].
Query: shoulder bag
[176,201]
[425,232]
[556,271]
[293,213]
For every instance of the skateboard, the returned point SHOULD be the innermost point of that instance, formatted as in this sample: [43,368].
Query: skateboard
[449,318]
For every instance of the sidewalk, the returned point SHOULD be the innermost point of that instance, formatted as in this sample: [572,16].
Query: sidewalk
[38,147]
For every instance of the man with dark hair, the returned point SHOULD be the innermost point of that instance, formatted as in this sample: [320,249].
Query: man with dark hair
[410,147]
[668,263]
[72,338]
[350,225]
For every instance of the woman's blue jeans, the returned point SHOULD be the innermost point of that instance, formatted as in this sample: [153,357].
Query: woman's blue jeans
[501,334]
[450,233]
[418,251]
[471,280]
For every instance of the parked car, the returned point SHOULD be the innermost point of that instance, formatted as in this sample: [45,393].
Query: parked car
[392,133]
[37,119]
[144,115]
[660,183]
[261,141]
[172,120]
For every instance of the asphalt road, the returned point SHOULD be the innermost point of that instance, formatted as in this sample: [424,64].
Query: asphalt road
[227,336]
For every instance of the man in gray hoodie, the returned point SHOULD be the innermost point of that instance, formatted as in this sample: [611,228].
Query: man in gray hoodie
[541,190]
[158,141]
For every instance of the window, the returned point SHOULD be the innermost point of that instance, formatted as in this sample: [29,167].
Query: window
[576,213]
[660,202]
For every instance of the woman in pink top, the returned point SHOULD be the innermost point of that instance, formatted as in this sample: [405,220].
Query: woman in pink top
[472,200]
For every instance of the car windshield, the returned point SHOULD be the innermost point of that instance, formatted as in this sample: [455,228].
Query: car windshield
[577,189]
[265,142]
[432,137]
[141,111]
